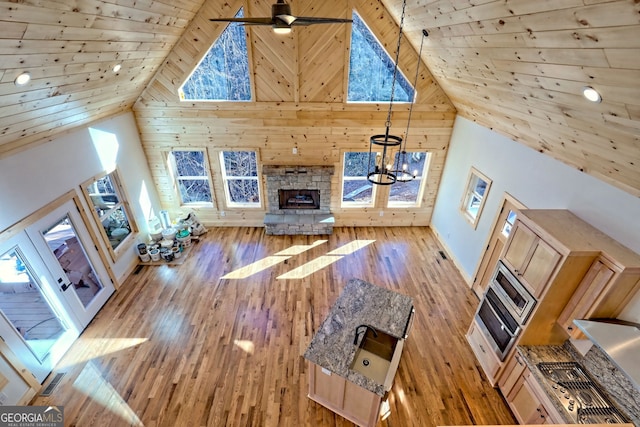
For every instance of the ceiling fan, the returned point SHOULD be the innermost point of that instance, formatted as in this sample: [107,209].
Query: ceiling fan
[282,20]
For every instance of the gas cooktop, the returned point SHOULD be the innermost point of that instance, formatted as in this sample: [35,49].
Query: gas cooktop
[580,396]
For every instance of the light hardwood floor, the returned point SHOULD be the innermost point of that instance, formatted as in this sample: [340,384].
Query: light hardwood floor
[183,346]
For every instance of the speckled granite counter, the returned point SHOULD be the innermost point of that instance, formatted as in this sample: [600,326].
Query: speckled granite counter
[596,363]
[360,303]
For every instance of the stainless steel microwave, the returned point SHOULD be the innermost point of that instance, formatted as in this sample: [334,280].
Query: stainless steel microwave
[513,294]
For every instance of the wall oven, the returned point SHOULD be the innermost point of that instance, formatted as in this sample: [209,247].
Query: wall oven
[503,311]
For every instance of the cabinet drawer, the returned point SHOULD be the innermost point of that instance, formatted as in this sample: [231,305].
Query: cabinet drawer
[485,355]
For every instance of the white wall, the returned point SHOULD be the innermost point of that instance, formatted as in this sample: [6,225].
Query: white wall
[30,179]
[536,180]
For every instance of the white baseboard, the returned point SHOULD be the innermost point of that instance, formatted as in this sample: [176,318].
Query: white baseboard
[468,279]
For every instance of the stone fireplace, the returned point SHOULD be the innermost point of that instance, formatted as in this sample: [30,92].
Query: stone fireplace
[298,199]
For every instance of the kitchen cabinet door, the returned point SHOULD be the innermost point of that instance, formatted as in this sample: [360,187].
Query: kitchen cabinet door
[525,404]
[528,402]
[512,372]
[531,259]
[585,297]
[603,292]
[343,397]
[519,246]
[360,405]
[326,387]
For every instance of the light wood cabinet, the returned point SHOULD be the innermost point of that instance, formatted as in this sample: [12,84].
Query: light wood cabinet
[573,270]
[483,351]
[343,397]
[512,372]
[602,293]
[529,403]
[530,258]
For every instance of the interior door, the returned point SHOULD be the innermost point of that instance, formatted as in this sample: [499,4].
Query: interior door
[497,238]
[34,323]
[64,243]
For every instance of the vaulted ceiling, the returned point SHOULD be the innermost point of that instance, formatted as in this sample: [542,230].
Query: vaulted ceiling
[514,66]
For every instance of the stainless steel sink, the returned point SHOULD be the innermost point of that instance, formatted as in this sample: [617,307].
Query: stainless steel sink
[374,355]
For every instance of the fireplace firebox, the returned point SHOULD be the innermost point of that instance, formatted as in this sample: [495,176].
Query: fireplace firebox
[299,199]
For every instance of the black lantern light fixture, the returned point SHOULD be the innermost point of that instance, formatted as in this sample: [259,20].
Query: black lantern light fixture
[383,172]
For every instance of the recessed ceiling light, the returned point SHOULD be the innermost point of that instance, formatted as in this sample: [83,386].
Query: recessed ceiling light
[22,79]
[591,94]
[117,68]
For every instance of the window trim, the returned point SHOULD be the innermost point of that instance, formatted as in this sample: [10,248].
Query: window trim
[225,178]
[422,177]
[173,172]
[123,203]
[470,192]
[343,178]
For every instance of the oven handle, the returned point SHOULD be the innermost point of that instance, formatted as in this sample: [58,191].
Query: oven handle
[499,317]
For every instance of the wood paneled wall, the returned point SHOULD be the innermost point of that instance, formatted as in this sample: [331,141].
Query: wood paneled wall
[299,84]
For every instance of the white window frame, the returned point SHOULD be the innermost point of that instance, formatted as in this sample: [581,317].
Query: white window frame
[177,178]
[421,176]
[346,204]
[226,178]
[106,213]
[470,194]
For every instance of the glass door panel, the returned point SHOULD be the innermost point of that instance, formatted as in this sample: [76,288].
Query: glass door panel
[33,322]
[26,307]
[63,242]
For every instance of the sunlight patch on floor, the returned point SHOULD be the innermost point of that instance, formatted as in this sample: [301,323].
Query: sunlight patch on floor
[96,347]
[245,345]
[298,249]
[351,247]
[92,383]
[310,267]
[256,267]
[325,260]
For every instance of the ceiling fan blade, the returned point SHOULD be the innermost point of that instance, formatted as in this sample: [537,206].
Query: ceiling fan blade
[308,20]
[250,21]
[287,19]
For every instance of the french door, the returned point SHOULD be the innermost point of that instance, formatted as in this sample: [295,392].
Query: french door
[52,284]
[63,242]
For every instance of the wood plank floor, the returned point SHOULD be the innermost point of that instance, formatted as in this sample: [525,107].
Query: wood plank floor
[217,341]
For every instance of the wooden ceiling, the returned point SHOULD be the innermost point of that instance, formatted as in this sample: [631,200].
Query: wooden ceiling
[516,67]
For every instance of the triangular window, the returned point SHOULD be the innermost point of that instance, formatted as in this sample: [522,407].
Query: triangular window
[371,69]
[223,74]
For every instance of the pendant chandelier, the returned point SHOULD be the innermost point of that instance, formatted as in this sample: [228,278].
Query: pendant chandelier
[390,167]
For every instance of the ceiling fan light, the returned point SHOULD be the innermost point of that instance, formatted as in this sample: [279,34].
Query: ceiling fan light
[282,30]
[591,94]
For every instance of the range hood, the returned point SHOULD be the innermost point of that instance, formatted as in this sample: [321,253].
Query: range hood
[619,340]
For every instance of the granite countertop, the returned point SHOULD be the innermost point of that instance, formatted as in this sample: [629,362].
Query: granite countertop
[359,303]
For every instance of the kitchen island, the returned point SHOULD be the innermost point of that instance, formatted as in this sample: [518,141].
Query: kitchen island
[345,377]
